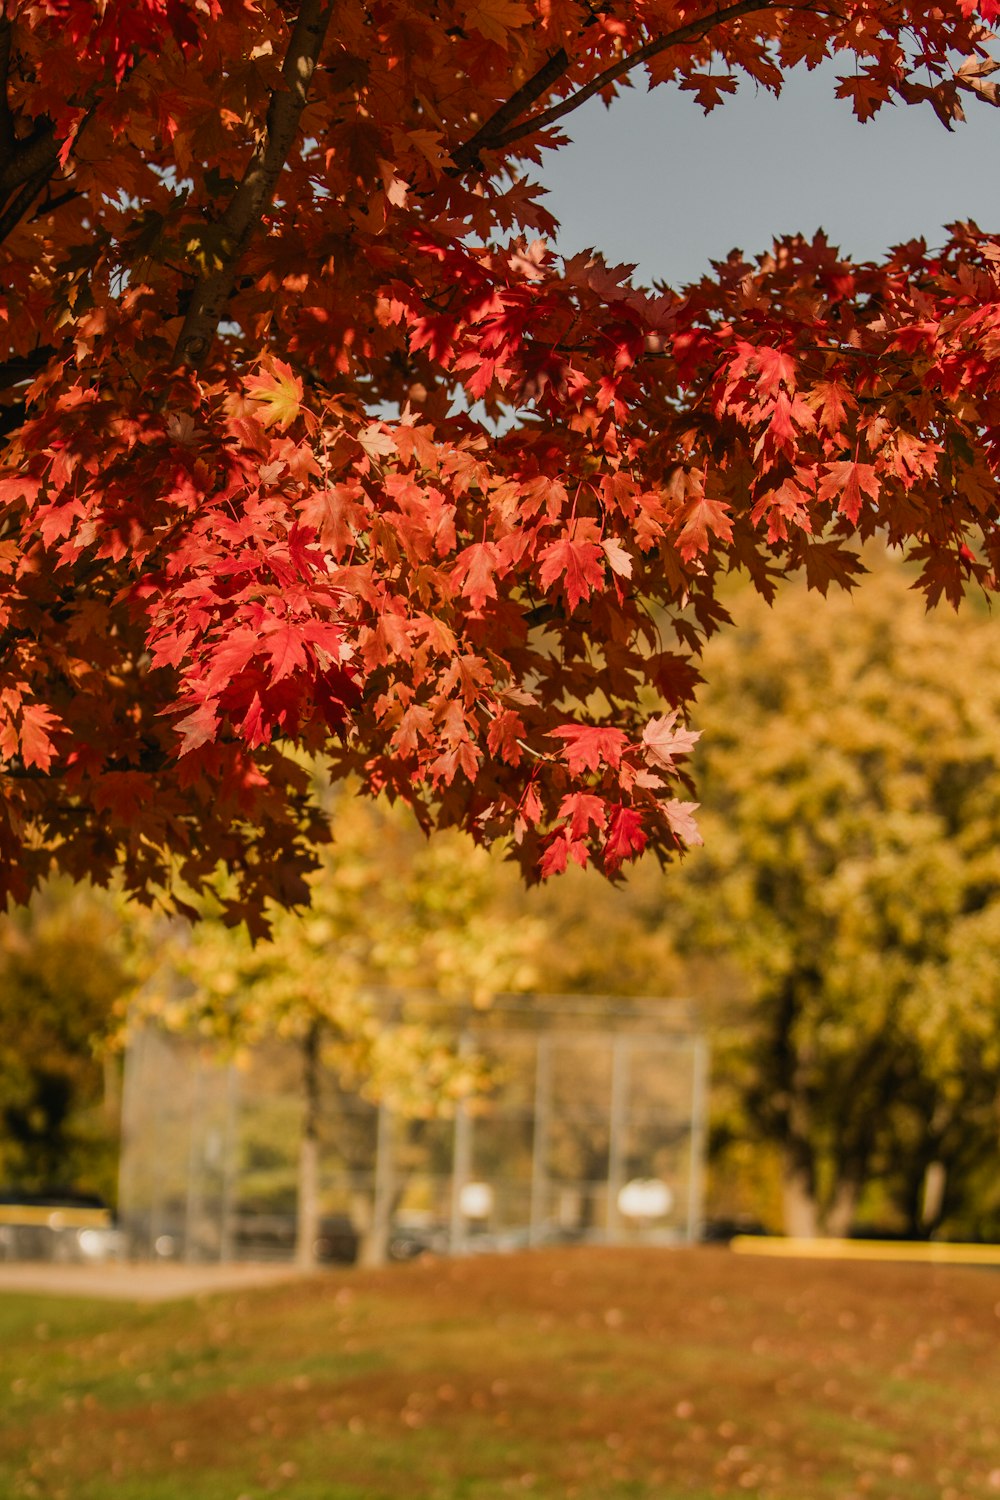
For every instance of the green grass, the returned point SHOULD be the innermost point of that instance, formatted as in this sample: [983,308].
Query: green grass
[600,1375]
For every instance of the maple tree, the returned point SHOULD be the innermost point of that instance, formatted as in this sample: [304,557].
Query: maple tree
[313,445]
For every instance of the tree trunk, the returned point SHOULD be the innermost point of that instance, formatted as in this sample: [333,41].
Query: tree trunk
[932,1204]
[800,1210]
[839,1216]
[111,1099]
[374,1246]
[307,1208]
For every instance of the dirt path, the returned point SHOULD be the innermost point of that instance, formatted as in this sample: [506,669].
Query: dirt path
[137,1283]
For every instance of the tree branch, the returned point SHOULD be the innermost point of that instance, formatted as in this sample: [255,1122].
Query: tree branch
[492,138]
[6,118]
[30,157]
[51,204]
[31,166]
[468,155]
[22,201]
[538,84]
[254,193]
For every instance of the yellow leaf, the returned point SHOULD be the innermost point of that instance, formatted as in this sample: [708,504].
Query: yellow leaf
[277,390]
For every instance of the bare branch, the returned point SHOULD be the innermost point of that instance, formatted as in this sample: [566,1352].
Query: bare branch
[535,88]
[28,165]
[51,204]
[256,189]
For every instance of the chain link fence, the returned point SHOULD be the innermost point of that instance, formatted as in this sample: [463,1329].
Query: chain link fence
[591,1128]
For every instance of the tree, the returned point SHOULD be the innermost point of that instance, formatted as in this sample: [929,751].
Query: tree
[63,976]
[387,911]
[851,768]
[605,942]
[308,442]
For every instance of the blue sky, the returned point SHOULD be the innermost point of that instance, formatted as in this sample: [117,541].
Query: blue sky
[656,182]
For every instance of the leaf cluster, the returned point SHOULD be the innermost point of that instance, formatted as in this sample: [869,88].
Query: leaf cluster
[311,444]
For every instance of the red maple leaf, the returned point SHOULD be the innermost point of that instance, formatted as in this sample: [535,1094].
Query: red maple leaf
[576,566]
[700,517]
[848,483]
[583,811]
[474,573]
[665,738]
[680,816]
[587,747]
[559,851]
[199,727]
[284,645]
[626,837]
[37,747]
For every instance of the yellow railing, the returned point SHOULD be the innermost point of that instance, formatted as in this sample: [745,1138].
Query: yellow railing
[54,1216]
[936,1252]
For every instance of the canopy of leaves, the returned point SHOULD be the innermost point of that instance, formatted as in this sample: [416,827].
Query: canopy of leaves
[309,439]
[851,768]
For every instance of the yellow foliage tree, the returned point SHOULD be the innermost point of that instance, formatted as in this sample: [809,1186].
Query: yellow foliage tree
[851,772]
[389,910]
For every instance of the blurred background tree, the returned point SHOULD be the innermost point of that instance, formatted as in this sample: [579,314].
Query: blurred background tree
[389,909]
[839,932]
[851,871]
[63,976]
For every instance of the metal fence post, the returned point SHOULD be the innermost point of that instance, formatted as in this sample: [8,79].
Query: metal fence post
[617,1117]
[696,1167]
[461,1163]
[540,1139]
[383,1187]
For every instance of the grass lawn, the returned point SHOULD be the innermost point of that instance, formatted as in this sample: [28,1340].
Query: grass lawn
[603,1375]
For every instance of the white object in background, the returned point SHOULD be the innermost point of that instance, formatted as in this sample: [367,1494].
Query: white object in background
[475,1199]
[645,1198]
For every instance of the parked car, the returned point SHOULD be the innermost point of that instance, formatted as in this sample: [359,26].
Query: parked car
[271,1236]
[407,1240]
[721,1231]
